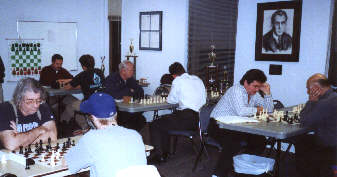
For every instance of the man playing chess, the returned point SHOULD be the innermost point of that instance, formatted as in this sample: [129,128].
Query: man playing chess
[316,153]
[109,148]
[187,90]
[120,84]
[241,100]
[26,119]
[54,76]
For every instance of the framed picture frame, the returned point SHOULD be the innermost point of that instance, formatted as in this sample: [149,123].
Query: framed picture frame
[278,31]
[150,27]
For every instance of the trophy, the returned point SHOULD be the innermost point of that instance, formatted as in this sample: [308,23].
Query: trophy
[212,56]
[131,48]
[102,65]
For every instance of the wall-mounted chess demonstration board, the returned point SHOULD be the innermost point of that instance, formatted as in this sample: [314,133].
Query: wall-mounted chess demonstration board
[25,58]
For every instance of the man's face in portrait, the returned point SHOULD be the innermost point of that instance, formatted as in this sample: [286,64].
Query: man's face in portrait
[279,24]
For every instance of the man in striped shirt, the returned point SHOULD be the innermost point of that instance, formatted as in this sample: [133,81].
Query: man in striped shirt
[242,100]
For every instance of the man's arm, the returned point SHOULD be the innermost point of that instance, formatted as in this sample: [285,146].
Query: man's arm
[11,140]
[265,102]
[173,98]
[240,104]
[51,132]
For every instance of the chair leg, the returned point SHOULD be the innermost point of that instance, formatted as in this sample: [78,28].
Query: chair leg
[202,148]
[175,139]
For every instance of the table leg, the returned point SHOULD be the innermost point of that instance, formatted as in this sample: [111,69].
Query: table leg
[278,159]
[155,115]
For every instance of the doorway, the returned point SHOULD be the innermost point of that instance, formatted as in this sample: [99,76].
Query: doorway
[114,43]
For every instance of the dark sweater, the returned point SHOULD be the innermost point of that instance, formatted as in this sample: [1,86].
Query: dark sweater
[321,116]
[48,76]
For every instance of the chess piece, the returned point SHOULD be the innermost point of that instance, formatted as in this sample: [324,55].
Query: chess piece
[3,159]
[27,164]
[73,143]
[29,148]
[42,158]
[21,150]
[57,146]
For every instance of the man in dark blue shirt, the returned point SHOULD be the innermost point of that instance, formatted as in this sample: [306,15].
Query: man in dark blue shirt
[316,153]
[89,80]
[120,84]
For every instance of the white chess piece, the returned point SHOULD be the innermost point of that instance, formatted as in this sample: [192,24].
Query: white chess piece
[42,158]
[3,159]
[52,159]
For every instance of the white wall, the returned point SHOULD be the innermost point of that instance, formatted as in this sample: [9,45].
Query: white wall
[91,16]
[153,64]
[289,87]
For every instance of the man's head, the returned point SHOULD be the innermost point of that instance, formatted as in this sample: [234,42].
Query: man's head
[57,61]
[87,62]
[126,69]
[318,81]
[176,69]
[253,80]
[28,95]
[102,108]
[279,22]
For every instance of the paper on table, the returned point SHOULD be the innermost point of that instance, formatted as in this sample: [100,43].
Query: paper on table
[235,119]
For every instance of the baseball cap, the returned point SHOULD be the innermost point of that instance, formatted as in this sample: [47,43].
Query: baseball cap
[99,104]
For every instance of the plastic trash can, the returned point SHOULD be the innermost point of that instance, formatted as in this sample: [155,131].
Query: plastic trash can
[246,165]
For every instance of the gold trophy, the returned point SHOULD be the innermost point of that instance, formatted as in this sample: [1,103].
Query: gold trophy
[212,56]
[102,65]
[131,48]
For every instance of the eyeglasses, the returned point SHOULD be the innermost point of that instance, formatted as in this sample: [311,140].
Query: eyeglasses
[33,101]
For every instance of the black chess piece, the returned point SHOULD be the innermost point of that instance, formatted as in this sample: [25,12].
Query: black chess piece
[41,148]
[68,143]
[27,164]
[296,119]
[73,143]
[36,147]
[29,148]
[64,146]
[21,150]
[285,117]
[57,146]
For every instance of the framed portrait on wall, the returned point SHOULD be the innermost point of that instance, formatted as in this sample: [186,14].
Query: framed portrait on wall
[150,26]
[278,31]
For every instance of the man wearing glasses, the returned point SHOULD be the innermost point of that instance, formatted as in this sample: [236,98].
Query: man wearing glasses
[27,118]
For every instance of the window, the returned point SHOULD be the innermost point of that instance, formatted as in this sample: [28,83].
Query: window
[212,22]
[150,26]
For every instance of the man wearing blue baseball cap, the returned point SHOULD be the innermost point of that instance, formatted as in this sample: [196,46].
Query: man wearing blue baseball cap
[109,147]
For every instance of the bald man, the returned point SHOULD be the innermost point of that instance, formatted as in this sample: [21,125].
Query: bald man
[316,153]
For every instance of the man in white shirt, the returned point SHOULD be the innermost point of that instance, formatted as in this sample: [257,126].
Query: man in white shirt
[241,100]
[187,90]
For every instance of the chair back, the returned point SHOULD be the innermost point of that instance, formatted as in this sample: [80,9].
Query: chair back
[205,116]
[278,104]
[139,171]
[162,90]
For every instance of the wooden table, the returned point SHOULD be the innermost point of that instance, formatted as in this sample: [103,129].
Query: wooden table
[277,130]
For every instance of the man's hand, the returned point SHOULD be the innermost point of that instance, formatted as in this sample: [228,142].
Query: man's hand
[259,110]
[13,126]
[314,93]
[265,88]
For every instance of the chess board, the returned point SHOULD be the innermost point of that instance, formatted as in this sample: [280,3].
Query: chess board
[25,58]
[42,154]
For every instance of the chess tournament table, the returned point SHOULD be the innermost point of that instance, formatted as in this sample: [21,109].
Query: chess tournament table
[137,107]
[17,168]
[277,130]
[59,93]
